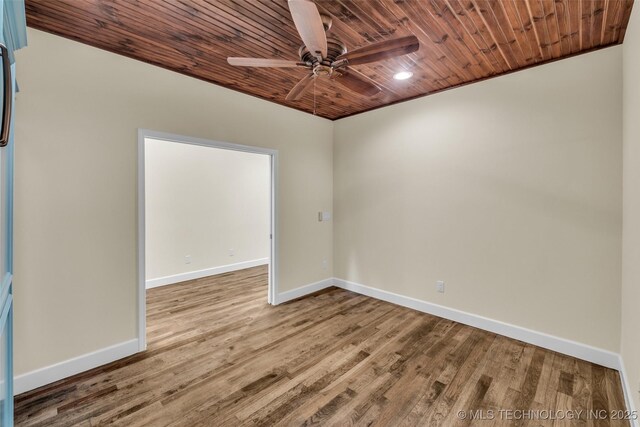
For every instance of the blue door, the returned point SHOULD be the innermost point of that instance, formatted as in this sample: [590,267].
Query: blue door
[12,36]
[6,252]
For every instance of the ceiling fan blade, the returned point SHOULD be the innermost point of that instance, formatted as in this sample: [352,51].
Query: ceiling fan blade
[263,62]
[309,25]
[381,50]
[300,88]
[356,82]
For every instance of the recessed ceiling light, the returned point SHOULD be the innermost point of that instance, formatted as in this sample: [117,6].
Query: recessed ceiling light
[403,75]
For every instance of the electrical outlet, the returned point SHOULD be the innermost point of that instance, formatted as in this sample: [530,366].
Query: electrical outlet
[440,286]
[187,259]
[232,252]
[325,264]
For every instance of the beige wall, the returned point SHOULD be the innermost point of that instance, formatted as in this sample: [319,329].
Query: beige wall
[209,204]
[509,190]
[631,208]
[75,198]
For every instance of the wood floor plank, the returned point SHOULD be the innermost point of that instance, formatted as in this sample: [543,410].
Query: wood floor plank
[218,354]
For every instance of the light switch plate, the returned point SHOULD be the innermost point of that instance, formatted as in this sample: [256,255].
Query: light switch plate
[324,216]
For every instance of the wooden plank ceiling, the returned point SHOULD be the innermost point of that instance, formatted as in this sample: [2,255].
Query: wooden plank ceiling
[461,41]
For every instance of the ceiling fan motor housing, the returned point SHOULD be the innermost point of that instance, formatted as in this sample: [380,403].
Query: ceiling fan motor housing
[335,48]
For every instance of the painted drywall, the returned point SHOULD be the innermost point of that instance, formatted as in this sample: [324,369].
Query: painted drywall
[508,190]
[205,208]
[78,113]
[630,346]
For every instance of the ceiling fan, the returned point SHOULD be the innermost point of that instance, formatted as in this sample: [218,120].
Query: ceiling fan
[328,57]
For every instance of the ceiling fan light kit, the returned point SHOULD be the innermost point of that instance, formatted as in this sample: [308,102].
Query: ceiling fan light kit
[328,57]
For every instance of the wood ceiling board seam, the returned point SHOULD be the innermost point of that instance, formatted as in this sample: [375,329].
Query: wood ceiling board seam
[565,34]
[605,18]
[509,58]
[440,10]
[483,49]
[524,11]
[437,68]
[536,14]
[586,25]
[574,26]
[531,54]
[510,25]
[434,40]
[613,14]
[450,44]
[507,35]
[552,30]
[599,15]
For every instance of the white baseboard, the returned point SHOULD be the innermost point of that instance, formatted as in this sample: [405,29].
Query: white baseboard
[586,352]
[49,374]
[628,391]
[40,377]
[303,290]
[191,275]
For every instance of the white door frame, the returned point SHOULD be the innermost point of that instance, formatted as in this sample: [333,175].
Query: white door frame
[273,259]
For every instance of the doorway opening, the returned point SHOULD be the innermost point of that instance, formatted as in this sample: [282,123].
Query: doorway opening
[204,208]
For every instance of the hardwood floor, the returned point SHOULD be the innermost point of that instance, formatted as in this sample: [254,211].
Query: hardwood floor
[220,356]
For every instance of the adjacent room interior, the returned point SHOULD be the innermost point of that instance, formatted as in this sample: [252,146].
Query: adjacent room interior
[206,212]
[329,212]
